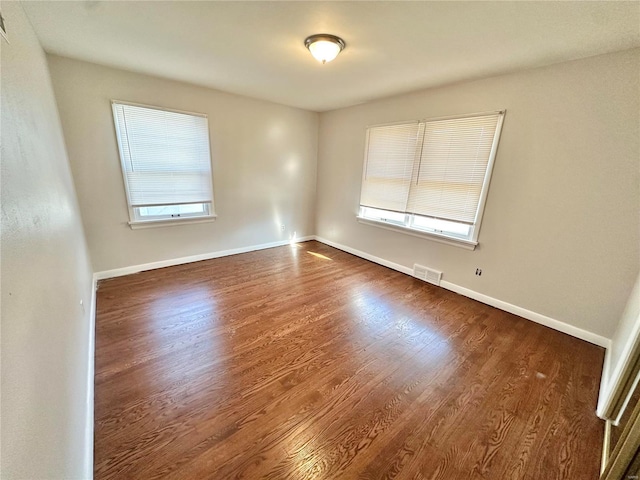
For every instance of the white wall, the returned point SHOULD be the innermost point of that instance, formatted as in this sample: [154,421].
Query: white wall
[46,334]
[561,229]
[628,320]
[626,336]
[263,156]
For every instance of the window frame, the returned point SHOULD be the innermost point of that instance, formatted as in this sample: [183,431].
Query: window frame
[135,219]
[471,241]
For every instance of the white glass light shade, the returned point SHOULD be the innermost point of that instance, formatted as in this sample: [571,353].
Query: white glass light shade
[324,47]
[324,51]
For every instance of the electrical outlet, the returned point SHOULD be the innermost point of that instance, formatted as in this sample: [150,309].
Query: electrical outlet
[282,227]
[478,271]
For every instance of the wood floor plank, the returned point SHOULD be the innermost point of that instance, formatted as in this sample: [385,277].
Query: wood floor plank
[307,362]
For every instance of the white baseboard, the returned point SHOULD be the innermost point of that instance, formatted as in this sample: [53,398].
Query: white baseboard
[91,353]
[494,302]
[119,272]
[530,315]
[366,256]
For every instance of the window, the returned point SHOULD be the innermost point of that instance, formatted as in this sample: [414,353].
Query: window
[166,164]
[430,177]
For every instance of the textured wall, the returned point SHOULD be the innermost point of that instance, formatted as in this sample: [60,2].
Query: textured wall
[46,404]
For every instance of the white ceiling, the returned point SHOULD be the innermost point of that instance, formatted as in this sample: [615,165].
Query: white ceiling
[256,48]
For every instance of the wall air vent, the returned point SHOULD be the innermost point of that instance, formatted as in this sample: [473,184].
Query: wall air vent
[427,274]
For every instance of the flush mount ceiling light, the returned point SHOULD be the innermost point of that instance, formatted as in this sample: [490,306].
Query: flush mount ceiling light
[324,47]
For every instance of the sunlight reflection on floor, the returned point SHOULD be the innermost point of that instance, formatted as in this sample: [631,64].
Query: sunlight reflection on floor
[373,314]
[319,255]
[193,312]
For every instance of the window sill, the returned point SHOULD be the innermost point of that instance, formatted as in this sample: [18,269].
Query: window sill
[166,222]
[436,237]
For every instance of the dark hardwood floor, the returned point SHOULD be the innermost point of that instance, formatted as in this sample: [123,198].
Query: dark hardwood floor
[306,362]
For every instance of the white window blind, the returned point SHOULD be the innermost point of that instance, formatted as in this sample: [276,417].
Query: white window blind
[391,151]
[452,168]
[165,155]
[434,168]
